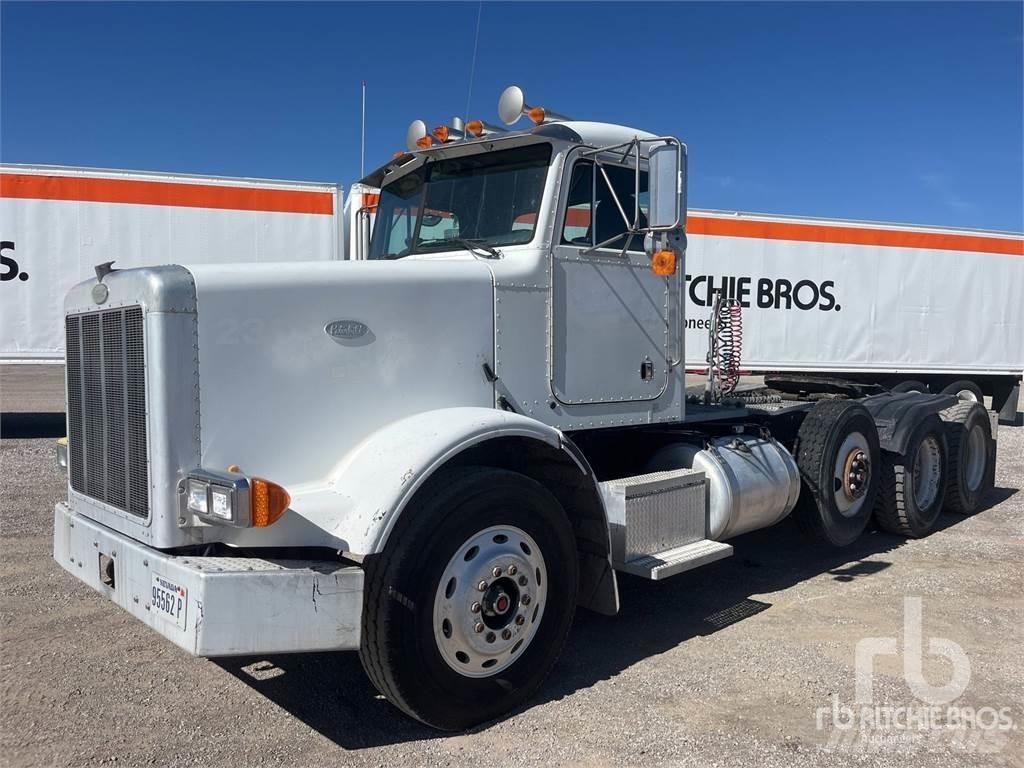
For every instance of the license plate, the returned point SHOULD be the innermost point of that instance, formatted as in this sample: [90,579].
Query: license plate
[169,600]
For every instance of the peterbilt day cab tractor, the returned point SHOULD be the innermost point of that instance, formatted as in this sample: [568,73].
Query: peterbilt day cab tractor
[435,454]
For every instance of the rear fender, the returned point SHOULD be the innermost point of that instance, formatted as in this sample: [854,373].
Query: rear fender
[897,414]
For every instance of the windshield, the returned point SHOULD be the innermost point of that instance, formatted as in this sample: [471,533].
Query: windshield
[491,198]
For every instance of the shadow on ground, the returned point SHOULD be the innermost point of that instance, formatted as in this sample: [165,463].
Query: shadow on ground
[17,425]
[330,693]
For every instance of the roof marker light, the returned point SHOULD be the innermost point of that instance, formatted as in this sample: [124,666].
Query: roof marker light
[478,128]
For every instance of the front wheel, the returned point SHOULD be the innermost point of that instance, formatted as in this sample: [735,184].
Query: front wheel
[468,607]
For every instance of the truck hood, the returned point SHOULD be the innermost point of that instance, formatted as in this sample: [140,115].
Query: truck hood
[300,362]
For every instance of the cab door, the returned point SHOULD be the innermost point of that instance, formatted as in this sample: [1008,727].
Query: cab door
[610,314]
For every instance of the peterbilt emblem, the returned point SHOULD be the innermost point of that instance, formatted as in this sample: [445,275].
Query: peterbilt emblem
[345,330]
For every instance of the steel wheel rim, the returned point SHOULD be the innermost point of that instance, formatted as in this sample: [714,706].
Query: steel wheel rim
[968,395]
[975,458]
[927,472]
[853,456]
[490,601]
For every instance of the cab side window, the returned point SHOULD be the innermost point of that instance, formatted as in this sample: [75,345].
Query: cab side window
[591,216]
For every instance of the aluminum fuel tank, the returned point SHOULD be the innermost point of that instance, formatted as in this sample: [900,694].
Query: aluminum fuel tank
[751,482]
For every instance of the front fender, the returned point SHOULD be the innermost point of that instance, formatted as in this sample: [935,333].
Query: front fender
[367,490]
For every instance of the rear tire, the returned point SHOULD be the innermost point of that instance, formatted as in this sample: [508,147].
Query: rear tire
[971,456]
[837,453]
[913,484]
[910,385]
[439,648]
[965,390]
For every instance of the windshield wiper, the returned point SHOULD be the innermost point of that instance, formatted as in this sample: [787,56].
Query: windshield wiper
[473,246]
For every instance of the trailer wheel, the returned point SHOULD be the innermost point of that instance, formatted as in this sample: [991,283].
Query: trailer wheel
[468,607]
[837,453]
[910,385]
[965,390]
[913,484]
[971,456]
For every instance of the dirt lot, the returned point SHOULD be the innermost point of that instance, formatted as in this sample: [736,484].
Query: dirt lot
[733,664]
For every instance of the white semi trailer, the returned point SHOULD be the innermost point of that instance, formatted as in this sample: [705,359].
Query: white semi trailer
[435,454]
[838,304]
[57,223]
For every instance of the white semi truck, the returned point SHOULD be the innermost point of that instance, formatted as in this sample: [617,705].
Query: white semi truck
[435,454]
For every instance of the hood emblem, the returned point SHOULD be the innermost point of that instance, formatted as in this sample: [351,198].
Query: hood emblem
[346,330]
[100,292]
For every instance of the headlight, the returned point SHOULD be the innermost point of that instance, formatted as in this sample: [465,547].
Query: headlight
[198,493]
[231,498]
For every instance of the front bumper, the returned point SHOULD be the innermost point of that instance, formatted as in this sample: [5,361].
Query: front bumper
[234,605]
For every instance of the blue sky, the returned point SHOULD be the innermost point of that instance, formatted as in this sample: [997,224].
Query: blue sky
[882,111]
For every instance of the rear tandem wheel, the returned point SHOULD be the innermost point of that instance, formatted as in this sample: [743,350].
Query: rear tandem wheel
[837,453]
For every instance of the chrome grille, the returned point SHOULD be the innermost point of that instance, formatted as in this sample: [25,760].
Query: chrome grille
[107,408]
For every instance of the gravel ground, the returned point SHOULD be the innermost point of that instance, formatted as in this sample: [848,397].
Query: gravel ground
[726,665]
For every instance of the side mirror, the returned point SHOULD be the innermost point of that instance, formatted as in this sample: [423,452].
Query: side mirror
[667,187]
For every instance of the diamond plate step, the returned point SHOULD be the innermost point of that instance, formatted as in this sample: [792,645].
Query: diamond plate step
[672,561]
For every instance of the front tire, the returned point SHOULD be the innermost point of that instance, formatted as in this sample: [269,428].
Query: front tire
[469,606]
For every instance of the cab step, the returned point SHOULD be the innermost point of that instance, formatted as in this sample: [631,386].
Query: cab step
[673,561]
[659,523]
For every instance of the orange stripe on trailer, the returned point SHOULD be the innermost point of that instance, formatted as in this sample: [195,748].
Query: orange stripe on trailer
[824,233]
[167,193]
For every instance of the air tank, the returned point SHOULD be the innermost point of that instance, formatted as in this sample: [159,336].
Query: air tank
[752,482]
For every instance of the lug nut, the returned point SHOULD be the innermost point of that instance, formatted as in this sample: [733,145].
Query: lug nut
[525,600]
[512,570]
[506,634]
[496,572]
[475,608]
[520,620]
[490,637]
[522,581]
[478,627]
[482,586]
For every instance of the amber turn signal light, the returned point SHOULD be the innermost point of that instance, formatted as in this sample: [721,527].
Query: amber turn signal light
[536,114]
[269,501]
[441,133]
[475,128]
[425,142]
[663,263]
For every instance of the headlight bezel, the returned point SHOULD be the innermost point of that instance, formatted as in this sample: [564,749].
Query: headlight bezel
[233,487]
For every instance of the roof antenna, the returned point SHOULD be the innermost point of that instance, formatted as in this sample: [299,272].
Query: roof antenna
[472,67]
[362,140]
